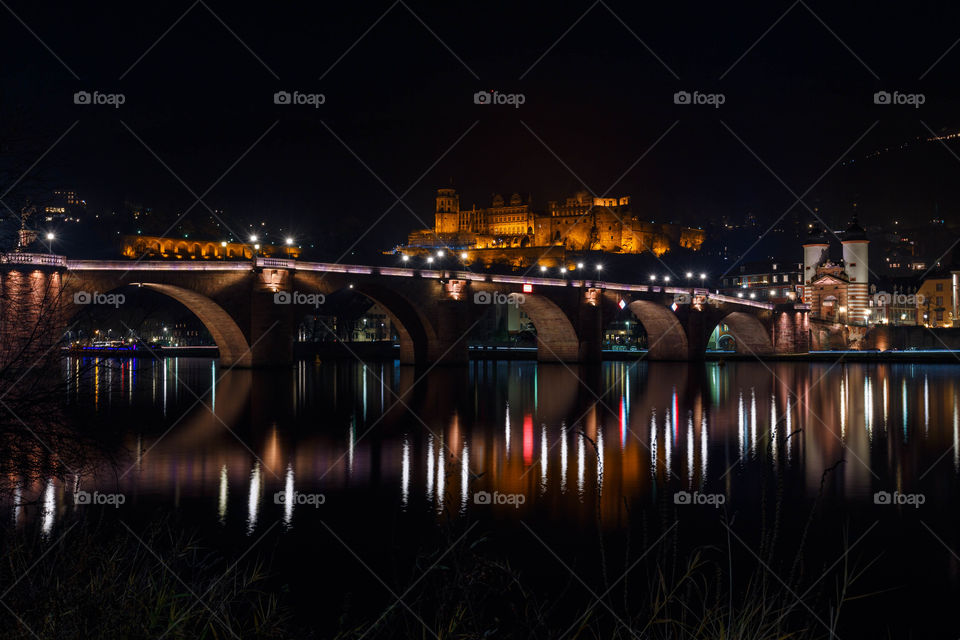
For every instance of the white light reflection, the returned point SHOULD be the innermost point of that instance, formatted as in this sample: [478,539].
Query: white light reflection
[773,428]
[48,510]
[690,448]
[580,463]
[563,457]
[430,468]
[667,443]
[18,498]
[741,425]
[441,478]
[253,499]
[288,497]
[464,477]
[787,435]
[703,450]
[843,408]
[351,443]
[506,431]
[653,443]
[599,461]
[222,496]
[753,421]
[903,394]
[926,405]
[405,473]
[543,459]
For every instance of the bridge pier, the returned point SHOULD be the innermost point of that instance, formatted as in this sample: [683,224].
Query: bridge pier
[791,330]
[453,320]
[590,332]
[270,333]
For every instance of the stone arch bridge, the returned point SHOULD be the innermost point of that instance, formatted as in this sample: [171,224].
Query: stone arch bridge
[251,306]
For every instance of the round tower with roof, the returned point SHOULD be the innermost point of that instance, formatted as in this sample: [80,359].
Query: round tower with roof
[855,255]
[815,251]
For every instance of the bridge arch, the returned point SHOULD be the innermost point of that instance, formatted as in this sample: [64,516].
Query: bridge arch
[666,338]
[417,335]
[235,350]
[749,333]
[557,340]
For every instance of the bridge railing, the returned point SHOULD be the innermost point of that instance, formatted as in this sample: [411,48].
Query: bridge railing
[277,263]
[41,259]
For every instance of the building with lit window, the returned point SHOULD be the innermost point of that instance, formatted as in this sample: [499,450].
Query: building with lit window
[936,305]
[770,281]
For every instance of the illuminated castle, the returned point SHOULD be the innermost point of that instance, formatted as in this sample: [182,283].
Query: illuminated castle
[579,223]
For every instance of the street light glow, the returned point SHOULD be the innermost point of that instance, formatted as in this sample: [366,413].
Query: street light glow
[689,274]
[253,238]
[599,267]
[652,277]
[543,269]
[50,236]
[289,241]
[404,257]
[440,253]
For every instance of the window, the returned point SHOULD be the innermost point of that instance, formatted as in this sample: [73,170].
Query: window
[774,279]
[940,301]
[939,286]
[939,315]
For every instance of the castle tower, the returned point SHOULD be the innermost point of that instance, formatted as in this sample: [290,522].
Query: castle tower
[855,254]
[448,211]
[815,251]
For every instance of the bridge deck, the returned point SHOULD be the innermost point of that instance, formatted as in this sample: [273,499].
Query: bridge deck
[43,259]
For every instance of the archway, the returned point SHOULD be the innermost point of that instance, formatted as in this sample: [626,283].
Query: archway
[235,350]
[391,318]
[666,339]
[749,335]
[557,340]
[521,322]
[233,345]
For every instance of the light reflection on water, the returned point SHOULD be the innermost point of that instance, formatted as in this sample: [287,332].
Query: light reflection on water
[337,427]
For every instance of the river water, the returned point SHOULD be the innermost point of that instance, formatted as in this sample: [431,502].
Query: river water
[349,472]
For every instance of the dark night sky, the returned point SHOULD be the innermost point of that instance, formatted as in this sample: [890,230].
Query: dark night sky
[399,99]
